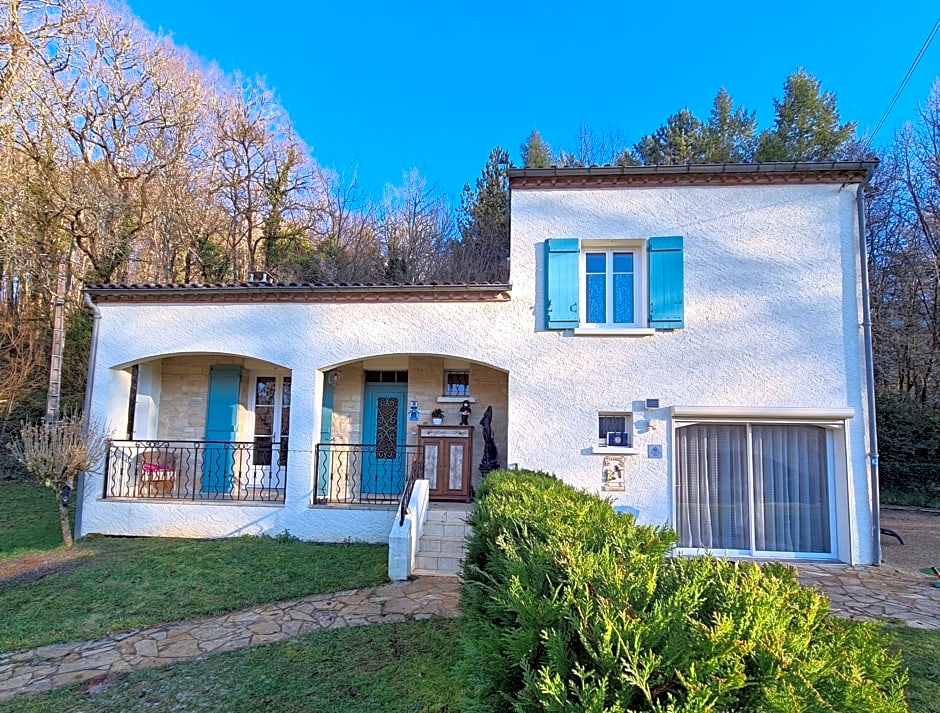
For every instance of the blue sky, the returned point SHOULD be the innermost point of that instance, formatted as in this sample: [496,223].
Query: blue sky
[381,88]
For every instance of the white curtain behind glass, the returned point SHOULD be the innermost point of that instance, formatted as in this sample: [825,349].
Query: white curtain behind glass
[713,505]
[790,488]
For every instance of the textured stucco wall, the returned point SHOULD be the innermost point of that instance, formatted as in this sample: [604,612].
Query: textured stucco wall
[772,319]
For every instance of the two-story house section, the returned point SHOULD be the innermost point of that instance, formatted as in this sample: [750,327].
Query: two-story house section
[688,341]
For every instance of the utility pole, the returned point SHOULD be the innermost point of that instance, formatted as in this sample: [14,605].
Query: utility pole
[54,394]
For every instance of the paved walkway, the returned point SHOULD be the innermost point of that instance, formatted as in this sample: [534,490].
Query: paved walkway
[50,666]
[876,593]
[870,593]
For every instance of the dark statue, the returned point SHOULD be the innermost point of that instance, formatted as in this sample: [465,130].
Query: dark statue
[490,454]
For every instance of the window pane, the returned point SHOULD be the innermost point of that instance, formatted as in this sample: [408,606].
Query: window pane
[264,421]
[596,302]
[595,262]
[262,451]
[791,492]
[623,299]
[607,424]
[712,503]
[285,392]
[457,383]
[623,262]
[264,390]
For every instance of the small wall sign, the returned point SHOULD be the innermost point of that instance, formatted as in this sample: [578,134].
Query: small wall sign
[654,450]
[614,473]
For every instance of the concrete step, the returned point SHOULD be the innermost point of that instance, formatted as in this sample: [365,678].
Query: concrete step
[443,542]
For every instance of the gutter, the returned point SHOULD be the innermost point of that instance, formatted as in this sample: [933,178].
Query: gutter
[86,405]
[869,371]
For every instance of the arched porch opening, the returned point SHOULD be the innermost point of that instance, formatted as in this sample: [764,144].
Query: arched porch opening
[199,426]
[389,419]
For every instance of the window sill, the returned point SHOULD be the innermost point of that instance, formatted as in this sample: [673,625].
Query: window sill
[455,399]
[613,331]
[614,450]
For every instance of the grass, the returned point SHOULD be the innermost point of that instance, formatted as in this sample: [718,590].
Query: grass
[395,668]
[920,650]
[29,521]
[917,500]
[112,584]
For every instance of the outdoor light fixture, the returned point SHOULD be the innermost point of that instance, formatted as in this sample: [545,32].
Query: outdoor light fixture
[65,494]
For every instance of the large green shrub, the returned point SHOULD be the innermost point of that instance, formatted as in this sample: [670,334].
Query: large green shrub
[572,607]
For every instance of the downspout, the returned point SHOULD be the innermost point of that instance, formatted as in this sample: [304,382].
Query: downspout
[869,372]
[86,406]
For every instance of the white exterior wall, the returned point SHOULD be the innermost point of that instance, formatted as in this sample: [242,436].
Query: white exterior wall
[772,319]
[772,315]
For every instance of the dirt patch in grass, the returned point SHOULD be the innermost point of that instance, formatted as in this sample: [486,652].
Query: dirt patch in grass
[22,569]
[920,530]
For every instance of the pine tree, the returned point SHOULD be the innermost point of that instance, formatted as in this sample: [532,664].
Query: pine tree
[536,153]
[807,125]
[680,140]
[730,134]
[482,254]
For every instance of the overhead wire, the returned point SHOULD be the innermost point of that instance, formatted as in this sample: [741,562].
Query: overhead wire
[904,81]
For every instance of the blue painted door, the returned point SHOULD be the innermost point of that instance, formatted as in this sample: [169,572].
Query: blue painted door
[221,414]
[384,467]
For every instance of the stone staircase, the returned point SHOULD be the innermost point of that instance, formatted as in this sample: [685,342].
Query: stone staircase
[443,540]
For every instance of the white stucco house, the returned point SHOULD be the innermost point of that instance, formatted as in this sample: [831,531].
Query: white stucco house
[690,341]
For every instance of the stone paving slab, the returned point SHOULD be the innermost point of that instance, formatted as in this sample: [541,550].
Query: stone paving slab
[876,593]
[47,667]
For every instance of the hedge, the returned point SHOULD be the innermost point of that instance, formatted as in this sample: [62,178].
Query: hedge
[570,606]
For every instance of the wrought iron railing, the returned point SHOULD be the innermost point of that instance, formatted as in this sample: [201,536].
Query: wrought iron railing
[416,472]
[196,470]
[362,473]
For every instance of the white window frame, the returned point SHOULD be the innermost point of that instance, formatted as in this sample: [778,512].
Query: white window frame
[640,307]
[601,447]
[259,475]
[837,473]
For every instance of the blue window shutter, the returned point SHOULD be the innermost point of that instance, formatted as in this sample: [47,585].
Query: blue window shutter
[666,289]
[561,283]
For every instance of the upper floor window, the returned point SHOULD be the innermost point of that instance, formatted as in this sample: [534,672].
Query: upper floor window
[614,284]
[610,285]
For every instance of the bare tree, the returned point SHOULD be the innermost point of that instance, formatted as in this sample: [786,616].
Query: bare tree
[54,453]
[904,249]
[415,229]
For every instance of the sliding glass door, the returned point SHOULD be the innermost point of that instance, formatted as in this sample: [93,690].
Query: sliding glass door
[754,489]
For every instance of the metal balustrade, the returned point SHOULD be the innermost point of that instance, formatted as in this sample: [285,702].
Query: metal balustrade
[363,473]
[196,470]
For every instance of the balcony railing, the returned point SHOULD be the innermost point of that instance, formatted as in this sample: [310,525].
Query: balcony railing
[196,470]
[364,473]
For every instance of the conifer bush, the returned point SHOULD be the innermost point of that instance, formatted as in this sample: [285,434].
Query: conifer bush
[570,606]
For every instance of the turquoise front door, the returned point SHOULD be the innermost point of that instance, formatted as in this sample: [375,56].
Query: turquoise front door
[218,458]
[384,466]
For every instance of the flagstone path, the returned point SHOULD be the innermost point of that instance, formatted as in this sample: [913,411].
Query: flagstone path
[48,667]
[866,593]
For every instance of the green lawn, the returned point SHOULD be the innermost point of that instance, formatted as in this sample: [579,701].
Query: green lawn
[921,652]
[115,583]
[29,521]
[404,668]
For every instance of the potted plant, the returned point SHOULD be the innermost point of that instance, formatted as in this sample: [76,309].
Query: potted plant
[437,417]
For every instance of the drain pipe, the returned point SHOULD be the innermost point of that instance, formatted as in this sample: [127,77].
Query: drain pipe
[86,406]
[869,371]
